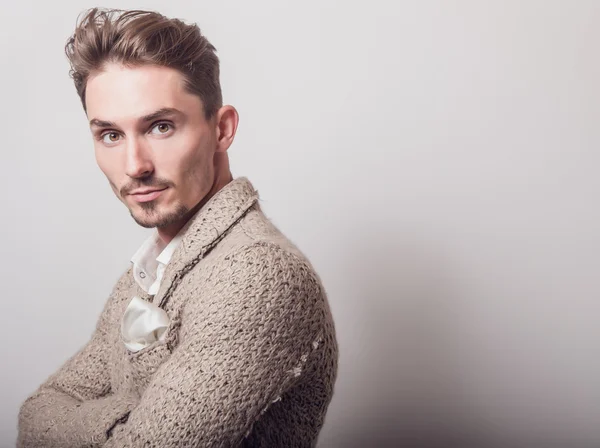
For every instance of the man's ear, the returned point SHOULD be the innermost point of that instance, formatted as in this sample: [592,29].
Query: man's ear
[227,120]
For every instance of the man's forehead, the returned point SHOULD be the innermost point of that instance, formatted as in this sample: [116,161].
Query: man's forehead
[133,93]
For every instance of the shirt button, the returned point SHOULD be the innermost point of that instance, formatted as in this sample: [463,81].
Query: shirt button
[143,274]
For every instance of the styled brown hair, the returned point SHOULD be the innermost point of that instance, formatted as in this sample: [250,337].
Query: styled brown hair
[135,38]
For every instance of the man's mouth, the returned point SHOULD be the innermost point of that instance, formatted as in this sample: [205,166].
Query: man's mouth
[146,195]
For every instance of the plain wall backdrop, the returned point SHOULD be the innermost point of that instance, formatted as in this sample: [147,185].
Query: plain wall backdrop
[437,161]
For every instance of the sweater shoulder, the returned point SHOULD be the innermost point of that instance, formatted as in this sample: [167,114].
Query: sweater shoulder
[256,261]
[255,232]
[267,269]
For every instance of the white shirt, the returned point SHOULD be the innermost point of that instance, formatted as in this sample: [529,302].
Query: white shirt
[151,259]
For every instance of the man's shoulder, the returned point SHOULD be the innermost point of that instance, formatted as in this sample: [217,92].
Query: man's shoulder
[255,253]
[263,277]
[256,236]
[254,260]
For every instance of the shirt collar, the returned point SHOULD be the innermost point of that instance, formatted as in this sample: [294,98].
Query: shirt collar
[148,259]
[148,251]
[165,256]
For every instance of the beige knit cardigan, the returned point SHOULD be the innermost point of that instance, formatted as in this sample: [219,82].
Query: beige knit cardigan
[250,358]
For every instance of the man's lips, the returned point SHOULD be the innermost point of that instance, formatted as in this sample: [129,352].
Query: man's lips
[146,195]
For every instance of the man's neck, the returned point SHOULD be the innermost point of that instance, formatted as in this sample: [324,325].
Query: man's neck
[169,232]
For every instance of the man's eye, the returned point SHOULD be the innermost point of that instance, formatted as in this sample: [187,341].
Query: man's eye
[113,137]
[163,128]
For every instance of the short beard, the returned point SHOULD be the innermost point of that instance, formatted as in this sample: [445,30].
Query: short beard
[160,221]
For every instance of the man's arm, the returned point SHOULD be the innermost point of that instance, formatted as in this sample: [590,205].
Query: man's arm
[244,341]
[73,408]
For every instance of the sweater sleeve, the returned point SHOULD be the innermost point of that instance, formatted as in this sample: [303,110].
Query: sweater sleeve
[74,407]
[245,337]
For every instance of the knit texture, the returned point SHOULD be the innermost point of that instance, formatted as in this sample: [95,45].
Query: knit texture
[250,358]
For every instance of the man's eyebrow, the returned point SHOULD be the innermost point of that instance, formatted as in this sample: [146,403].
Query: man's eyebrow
[163,112]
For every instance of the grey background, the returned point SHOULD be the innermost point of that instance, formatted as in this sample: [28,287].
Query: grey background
[436,160]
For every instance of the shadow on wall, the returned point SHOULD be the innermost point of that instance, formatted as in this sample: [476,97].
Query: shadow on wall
[404,368]
[406,380]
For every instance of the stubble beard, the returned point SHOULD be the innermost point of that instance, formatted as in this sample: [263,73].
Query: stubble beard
[151,217]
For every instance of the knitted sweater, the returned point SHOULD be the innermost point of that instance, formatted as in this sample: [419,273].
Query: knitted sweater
[250,358]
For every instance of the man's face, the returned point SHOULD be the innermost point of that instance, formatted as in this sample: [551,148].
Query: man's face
[161,166]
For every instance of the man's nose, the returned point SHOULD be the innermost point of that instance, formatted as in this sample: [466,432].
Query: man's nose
[138,158]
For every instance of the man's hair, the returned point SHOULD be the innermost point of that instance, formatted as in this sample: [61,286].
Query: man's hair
[136,38]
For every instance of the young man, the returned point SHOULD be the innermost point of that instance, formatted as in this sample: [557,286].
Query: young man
[220,332]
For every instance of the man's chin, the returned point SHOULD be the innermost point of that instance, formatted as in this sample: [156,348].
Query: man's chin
[155,218]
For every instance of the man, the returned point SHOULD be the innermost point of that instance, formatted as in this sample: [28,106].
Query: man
[220,332]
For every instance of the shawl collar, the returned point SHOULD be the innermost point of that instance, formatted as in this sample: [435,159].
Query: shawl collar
[204,230]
